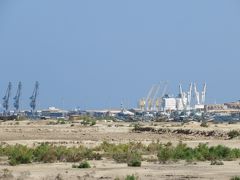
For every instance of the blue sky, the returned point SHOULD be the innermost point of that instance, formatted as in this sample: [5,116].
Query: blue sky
[94,54]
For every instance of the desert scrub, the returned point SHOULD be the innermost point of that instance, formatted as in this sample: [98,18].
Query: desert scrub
[204,124]
[82,165]
[131,177]
[216,163]
[6,174]
[129,153]
[233,134]
[89,122]
[165,154]
[134,159]
[121,152]
[200,153]
[45,153]
[20,154]
[235,178]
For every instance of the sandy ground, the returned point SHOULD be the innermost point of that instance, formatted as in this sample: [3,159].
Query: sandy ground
[35,132]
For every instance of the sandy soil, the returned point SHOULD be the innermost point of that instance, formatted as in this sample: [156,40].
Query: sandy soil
[35,132]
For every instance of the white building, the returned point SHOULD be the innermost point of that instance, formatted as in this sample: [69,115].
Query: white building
[169,104]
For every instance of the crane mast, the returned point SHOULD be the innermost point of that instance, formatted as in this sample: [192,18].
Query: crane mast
[7,97]
[33,98]
[17,97]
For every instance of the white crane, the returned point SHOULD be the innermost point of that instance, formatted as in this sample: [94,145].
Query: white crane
[189,95]
[154,99]
[182,95]
[204,93]
[148,97]
[197,94]
[158,101]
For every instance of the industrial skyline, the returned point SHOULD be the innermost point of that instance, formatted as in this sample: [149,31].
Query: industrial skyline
[97,54]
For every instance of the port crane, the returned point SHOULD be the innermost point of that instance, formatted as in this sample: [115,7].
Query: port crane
[197,94]
[204,93]
[151,97]
[17,97]
[33,98]
[182,96]
[159,99]
[6,98]
[189,95]
[148,99]
[200,96]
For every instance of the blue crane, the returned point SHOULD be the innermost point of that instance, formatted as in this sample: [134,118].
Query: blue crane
[17,97]
[33,98]
[6,98]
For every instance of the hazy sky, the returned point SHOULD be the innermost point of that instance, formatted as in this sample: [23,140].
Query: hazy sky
[94,54]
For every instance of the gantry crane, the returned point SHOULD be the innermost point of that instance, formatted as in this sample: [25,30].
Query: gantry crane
[17,97]
[6,98]
[33,98]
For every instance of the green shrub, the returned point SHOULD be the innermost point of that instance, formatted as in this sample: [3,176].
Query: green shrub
[93,122]
[61,121]
[135,162]
[136,127]
[131,177]
[235,178]
[90,122]
[233,134]
[78,154]
[45,153]
[204,124]
[201,152]
[165,154]
[134,159]
[20,154]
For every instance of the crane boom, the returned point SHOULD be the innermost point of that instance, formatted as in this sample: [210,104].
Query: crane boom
[17,97]
[196,94]
[182,96]
[204,93]
[33,98]
[149,97]
[7,97]
[189,95]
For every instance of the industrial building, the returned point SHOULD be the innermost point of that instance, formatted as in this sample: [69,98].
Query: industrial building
[53,113]
[184,101]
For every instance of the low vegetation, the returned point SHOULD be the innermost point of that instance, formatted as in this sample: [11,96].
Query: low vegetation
[204,124]
[47,153]
[82,165]
[233,134]
[6,174]
[217,163]
[130,153]
[235,178]
[131,177]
